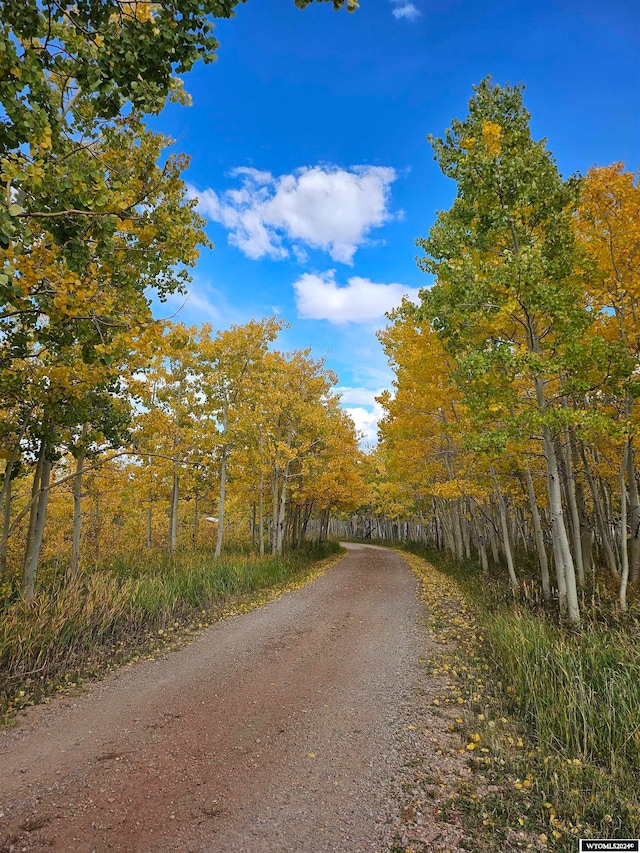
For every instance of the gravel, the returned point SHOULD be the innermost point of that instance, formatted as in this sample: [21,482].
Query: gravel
[304,726]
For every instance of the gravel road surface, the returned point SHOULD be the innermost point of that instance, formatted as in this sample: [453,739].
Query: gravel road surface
[272,732]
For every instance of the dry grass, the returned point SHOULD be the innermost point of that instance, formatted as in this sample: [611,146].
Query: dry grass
[79,627]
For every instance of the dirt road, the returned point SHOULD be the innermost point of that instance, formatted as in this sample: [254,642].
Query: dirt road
[271,732]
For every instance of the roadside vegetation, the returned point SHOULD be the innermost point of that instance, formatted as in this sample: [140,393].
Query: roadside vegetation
[115,613]
[548,714]
[508,450]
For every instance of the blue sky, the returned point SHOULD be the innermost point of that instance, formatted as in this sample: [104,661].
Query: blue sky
[309,155]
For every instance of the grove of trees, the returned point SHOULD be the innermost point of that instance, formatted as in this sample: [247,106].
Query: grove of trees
[95,221]
[513,419]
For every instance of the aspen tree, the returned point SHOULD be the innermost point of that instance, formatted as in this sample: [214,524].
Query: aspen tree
[503,257]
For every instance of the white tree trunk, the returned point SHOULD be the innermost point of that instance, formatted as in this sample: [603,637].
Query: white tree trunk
[494,548]
[261,500]
[77,514]
[634,516]
[35,540]
[149,524]
[173,513]
[573,506]
[223,482]
[609,554]
[281,512]
[196,519]
[274,510]
[502,507]
[624,553]
[539,535]
[558,528]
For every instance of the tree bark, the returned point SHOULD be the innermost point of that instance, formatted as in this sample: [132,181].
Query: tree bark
[33,513]
[77,511]
[609,554]
[149,523]
[196,520]
[223,481]
[634,516]
[6,525]
[281,512]
[585,528]
[274,511]
[493,544]
[5,504]
[261,503]
[573,507]
[538,534]
[35,540]
[559,530]
[502,507]
[173,512]
[624,553]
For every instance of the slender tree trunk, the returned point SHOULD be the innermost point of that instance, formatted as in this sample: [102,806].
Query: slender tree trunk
[5,504]
[173,512]
[97,525]
[562,549]
[539,535]
[465,537]
[502,506]
[609,554]
[77,511]
[274,511]
[261,505]
[223,481]
[222,502]
[573,506]
[447,529]
[457,529]
[610,520]
[624,553]
[35,541]
[493,544]
[585,528]
[6,526]
[149,523]
[559,530]
[196,519]
[5,493]
[634,516]
[33,513]
[282,511]
[254,511]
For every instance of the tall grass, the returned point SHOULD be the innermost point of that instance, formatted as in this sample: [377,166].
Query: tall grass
[579,693]
[78,626]
[576,692]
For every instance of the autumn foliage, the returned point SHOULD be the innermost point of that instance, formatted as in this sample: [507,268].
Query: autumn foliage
[511,427]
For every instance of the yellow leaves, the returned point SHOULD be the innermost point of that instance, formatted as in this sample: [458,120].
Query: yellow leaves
[42,141]
[608,225]
[473,741]
[491,137]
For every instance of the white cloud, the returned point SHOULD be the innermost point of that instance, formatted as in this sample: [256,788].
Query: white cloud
[319,297]
[321,207]
[358,396]
[403,10]
[366,421]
